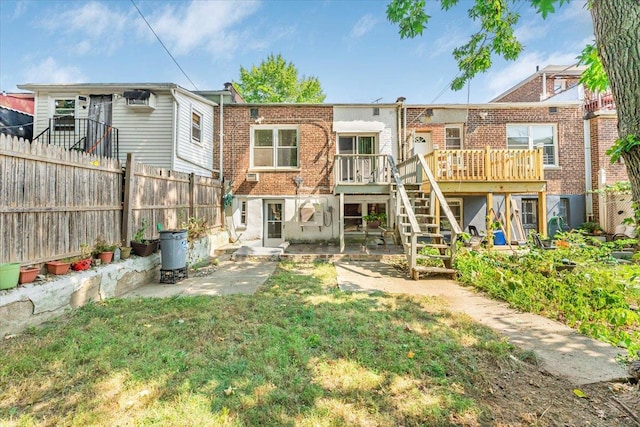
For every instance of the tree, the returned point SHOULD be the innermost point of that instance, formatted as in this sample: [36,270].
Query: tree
[275,80]
[616,50]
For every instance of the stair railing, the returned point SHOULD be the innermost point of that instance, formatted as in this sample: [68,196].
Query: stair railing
[411,249]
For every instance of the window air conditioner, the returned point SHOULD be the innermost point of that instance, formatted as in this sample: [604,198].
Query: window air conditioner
[253,177]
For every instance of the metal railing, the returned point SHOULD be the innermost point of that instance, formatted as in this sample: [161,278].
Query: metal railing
[486,165]
[362,169]
[84,135]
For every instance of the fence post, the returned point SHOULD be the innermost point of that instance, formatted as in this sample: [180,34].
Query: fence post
[192,195]
[129,182]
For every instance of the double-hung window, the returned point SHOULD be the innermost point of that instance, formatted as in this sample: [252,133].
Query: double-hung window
[64,114]
[196,126]
[453,138]
[523,136]
[274,147]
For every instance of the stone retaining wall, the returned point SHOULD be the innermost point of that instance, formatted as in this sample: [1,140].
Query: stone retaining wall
[34,303]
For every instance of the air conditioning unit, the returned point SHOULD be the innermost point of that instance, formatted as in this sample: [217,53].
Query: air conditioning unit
[253,177]
[140,99]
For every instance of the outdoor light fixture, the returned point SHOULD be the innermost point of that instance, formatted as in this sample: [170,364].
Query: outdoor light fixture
[298,180]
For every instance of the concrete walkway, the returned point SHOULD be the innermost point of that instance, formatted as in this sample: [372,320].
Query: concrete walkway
[229,277]
[562,350]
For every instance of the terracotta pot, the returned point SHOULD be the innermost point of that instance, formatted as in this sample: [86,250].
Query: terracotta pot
[83,264]
[58,267]
[28,275]
[105,257]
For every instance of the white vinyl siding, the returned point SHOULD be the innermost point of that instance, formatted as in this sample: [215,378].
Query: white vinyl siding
[191,155]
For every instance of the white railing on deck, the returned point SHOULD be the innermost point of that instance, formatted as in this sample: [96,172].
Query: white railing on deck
[362,169]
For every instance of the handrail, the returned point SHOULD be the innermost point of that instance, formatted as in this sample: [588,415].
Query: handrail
[455,228]
[40,134]
[413,221]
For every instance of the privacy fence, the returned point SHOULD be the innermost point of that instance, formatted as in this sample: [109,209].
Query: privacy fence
[53,200]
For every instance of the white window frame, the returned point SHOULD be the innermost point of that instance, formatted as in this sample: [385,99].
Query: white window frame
[63,128]
[243,210]
[454,201]
[199,127]
[530,127]
[275,148]
[461,137]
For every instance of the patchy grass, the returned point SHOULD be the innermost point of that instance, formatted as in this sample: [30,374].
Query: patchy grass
[300,352]
[599,297]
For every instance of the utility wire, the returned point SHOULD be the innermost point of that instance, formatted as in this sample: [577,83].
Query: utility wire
[165,47]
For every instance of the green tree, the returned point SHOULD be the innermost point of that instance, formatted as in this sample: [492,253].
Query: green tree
[616,52]
[275,80]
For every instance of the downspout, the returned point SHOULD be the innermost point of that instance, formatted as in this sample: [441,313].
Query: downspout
[404,128]
[221,177]
[587,171]
[398,131]
[544,86]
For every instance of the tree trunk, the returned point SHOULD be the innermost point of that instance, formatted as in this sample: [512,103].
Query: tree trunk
[616,25]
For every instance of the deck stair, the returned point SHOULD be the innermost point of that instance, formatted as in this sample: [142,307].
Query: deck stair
[417,222]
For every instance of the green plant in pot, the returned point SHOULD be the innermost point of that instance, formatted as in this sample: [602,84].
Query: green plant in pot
[141,246]
[374,220]
[104,250]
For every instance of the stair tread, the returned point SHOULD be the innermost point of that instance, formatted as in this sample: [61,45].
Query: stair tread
[423,234]
[431,269]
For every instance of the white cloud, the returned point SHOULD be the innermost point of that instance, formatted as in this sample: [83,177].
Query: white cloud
[20,9]
[49,71]
[532,30]
[202,24]
[525,66]
[363,26]
[451,39]
[95,27]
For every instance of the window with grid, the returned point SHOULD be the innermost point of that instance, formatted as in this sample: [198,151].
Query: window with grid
[530,137]
[275,147]
[64,114]
[453,138]
[196,126]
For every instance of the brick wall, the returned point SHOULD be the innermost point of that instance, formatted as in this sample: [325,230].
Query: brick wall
[604,132]
[315,144]
[492,131]
[532,90]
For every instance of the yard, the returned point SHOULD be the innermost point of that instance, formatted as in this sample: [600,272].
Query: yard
[300,352]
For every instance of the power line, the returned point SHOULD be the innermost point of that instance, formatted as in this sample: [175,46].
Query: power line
[165,48]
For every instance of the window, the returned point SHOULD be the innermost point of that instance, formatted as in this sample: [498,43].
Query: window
[453,138]
[275,147]
[64,112]
[532,137]
[243,212]
[456,208]
[196,129]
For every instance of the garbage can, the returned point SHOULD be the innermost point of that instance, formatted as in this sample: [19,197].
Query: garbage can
[173,249]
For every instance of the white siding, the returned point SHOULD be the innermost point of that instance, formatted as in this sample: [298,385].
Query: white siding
[147,134]
[193,156]
[360,115]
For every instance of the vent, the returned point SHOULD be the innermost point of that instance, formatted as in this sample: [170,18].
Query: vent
[253,177]
[376,111]
[553,110]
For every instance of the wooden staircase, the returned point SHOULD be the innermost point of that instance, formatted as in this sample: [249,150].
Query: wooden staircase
[417,194]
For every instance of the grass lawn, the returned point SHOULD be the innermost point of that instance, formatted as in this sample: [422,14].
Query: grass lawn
[299,352]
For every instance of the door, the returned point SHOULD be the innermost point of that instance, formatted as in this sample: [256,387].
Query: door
[529,215]
[357,168]
[273,223]
[98,140]
[422,143]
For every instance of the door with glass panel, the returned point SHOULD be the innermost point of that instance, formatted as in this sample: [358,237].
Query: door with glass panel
[356,168]
[273,223]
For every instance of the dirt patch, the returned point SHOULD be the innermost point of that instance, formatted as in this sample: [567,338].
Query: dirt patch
[522,394]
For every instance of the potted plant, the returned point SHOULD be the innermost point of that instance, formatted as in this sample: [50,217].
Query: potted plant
[82,262]
[141,246]
[28,274]
[125,252]
[103,250]
[58,267]
[9,275]
[374,220]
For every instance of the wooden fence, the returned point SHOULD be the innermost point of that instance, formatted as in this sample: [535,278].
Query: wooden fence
[52,200]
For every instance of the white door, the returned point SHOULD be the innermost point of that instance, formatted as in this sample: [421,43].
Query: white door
[422,143]
[273,223]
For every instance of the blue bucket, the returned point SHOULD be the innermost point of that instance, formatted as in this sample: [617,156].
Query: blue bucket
[498,238]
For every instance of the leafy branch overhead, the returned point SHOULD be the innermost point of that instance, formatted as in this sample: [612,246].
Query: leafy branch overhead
[276,81]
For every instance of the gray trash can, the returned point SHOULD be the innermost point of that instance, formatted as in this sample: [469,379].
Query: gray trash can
[173,249]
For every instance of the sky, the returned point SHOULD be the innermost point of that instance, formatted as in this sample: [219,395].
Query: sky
[349,45]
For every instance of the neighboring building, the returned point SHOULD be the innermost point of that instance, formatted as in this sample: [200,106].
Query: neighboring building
[163,124]
[16,114]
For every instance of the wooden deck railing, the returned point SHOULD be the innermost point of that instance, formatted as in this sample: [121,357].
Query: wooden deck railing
[486,165]
[362,169]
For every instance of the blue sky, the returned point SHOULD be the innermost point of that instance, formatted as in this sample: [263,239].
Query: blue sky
[349,46]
